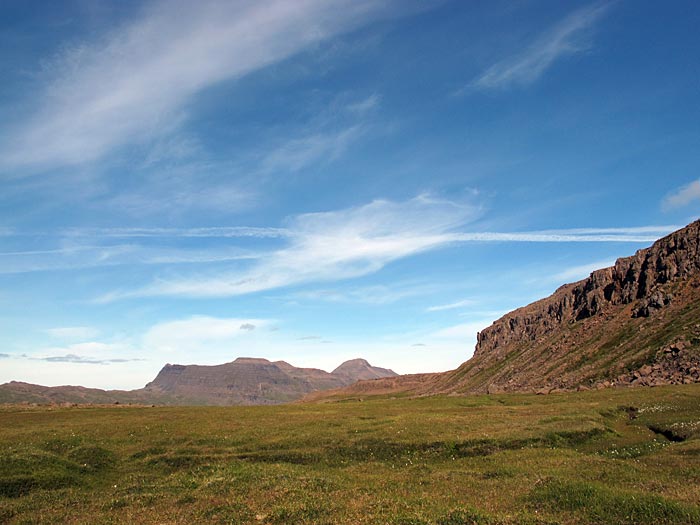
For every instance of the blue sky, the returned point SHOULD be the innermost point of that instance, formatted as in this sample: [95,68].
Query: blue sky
[313,181]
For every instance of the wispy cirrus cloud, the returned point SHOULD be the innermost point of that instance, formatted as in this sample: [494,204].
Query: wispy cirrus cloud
[135,85]
[682,196]
[618,235]
[568,37]
[336,245]
[80,256]
[349,243]
[378,294]
[89,353]
[209,232]
[581,271]
[450,306]
[298,153]
[74,358]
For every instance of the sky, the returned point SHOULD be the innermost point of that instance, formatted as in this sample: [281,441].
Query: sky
[320,180]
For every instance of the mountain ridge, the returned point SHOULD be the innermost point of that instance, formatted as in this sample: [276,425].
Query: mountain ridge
[637,322]
[244,381]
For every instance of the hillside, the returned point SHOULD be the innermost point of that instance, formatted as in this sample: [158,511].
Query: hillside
[635,323]
[245,381]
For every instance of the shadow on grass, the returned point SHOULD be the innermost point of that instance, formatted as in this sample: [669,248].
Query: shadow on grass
[382,450]
[31,470]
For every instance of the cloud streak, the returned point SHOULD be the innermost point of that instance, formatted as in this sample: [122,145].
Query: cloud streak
[211,232]
[344,244]
[682,196]
[298,153]
[76,257]
[568,37]
[334,245]
[74,358]
[134,86]
[575,273]
[450,306]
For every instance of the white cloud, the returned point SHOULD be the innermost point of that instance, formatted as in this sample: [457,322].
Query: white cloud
[343,244]
[566,38]
[335,245]
[465,331]
[72,257]
[214,232]
[363,106]
[450,306]
[554,236]
[200,338]
[73,332]
[109,366]
[631,230]
[134,86]
[373,294]
[682,196]
[299,153]
[576,273]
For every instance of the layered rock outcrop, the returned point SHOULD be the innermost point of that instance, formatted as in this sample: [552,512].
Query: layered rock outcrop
[639,279]
[613,328]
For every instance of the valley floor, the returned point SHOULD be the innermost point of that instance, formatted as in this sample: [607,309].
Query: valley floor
[612,456]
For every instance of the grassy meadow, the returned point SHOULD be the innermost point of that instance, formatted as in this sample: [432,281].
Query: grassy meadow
[625,456]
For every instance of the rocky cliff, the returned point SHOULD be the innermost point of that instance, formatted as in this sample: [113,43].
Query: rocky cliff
[599,329]
[635,323]
[642,280]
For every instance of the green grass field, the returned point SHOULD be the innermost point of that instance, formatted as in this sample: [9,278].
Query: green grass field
[627,456]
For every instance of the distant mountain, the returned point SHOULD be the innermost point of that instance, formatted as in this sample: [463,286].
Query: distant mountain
[359,369]
[245,381]
[635,323]
[251,381]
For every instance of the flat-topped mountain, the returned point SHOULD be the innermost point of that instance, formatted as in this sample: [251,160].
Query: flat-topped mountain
[256,381]
[245,381]
[637,322]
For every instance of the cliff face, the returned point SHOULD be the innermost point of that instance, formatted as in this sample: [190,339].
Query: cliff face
[636,323]
[600,330]
[639,279]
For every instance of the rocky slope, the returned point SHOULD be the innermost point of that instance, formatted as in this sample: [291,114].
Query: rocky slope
[245,381]
[637,322]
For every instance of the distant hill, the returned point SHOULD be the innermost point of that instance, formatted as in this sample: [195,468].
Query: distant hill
[245,381]
[635,323]
[359,369]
